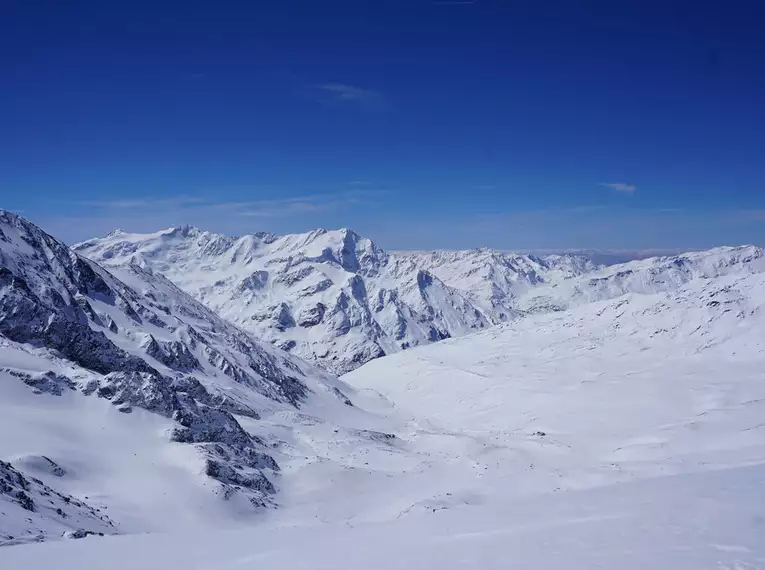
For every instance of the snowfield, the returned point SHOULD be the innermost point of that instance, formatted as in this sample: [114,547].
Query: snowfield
[711,520]
[616,421]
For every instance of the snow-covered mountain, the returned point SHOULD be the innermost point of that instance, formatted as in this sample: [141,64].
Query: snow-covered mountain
[334,297]
[623,432]
[97,365]
[494,280]
[645,276]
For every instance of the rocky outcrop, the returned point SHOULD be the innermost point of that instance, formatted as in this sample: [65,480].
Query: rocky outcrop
[43,508]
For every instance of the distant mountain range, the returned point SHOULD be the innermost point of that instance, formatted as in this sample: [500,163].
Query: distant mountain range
[336,299]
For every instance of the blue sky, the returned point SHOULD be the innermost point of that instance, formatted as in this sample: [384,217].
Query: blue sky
[423,124]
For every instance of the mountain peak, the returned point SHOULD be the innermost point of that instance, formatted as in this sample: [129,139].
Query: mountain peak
[185,230]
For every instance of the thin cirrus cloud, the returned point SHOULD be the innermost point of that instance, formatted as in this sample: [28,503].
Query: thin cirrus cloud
[342,93]
[270,208]
[141,203]
[304,204]
[620,187]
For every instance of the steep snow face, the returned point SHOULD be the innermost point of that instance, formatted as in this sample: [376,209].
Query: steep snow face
[334,297]
[72,332]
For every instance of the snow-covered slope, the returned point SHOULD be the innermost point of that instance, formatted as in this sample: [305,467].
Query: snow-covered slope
[583,436]
[493,280]
[334,297]
[703,521]
[623,433]
[136,391]
[652,275]
[638,386]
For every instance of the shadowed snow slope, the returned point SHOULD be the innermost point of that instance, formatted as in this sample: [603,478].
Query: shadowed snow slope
[334,297]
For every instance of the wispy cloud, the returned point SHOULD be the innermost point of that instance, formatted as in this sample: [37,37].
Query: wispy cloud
[620,187]
[270,208]
[343,93]
[147,202]
[302,204]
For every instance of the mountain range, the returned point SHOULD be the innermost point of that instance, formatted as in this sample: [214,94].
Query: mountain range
[185,382]
[336,299]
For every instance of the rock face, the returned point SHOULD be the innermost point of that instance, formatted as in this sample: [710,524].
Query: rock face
[43,507]
[334,297]
[140,342]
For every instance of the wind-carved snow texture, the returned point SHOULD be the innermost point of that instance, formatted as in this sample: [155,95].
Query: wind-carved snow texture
[334,297]
[140,342]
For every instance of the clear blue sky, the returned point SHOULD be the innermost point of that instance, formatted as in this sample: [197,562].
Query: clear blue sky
[423,124]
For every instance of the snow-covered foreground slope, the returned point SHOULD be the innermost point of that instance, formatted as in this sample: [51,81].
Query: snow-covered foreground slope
[710,520]
[334,297]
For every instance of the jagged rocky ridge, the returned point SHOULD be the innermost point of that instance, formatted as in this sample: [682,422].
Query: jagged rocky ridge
[140,342]
[334,297]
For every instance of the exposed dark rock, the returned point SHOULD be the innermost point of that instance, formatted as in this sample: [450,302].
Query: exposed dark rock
[173,354]
[312,316]
[34,496]
[47,382]
[283,317]
[80,533]
[258,280]
[342,397]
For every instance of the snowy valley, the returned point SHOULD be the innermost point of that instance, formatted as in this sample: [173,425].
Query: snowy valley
[495,410]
